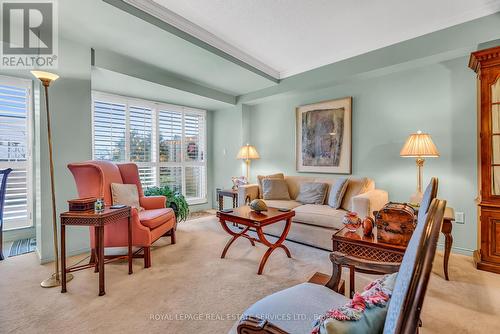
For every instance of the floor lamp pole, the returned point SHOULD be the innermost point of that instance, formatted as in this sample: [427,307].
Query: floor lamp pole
[54,280]
[247,162]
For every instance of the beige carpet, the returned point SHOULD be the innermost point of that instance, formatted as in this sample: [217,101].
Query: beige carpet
[190,281]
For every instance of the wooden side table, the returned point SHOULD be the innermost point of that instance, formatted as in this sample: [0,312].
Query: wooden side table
[98,221]
[221,193]
[369,248]
[252,220]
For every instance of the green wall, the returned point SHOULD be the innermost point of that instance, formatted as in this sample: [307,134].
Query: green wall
[70,101]
[438,98]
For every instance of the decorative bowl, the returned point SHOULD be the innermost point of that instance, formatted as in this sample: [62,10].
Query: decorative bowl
[258,205]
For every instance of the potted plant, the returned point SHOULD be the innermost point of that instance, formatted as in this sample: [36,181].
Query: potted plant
[175,200]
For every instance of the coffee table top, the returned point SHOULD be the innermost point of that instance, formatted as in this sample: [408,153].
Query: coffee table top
[246,216]
[357,237]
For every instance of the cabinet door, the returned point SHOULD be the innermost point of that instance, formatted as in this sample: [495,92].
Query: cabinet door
[495,137]
[490,235]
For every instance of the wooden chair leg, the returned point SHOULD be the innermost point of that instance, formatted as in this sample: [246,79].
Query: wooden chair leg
[147,257]
[172,236]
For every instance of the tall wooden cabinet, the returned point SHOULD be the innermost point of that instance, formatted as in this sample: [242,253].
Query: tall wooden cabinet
[486,63]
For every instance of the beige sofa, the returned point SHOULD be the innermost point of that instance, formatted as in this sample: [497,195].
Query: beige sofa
[314,224]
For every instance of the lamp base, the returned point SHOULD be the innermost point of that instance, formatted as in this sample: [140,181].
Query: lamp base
[52,282]
[416,198]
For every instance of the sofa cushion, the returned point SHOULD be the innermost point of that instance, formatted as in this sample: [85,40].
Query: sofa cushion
[337,192]
[355,187]
[282,204]
[295,309]
[319,215]
[274,189]
[312,193]
[156,217]
[272,176]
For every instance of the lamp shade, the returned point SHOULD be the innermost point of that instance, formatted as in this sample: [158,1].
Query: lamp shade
[419,145]
[248,152]
[41,75]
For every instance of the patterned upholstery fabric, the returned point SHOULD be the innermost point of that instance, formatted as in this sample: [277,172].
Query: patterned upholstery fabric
[404,276]
[429,194]
[295,309]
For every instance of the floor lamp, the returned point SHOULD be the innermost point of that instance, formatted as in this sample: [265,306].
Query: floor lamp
[47,78]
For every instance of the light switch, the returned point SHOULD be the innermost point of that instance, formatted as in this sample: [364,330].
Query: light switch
[224,152]
[459,218]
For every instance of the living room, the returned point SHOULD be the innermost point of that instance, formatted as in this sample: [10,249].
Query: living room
[300,125]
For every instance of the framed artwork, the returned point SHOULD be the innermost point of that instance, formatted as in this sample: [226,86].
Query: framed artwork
[323,137]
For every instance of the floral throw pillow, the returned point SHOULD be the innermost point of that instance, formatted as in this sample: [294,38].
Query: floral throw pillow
[365,312]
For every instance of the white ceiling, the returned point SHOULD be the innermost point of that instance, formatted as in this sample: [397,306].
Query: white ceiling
[293,36]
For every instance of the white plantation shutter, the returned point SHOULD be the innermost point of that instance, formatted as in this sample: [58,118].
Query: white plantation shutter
[170,131]
[172,177]
[194,133]
[109,131]
[167,142]
[195,187]
[194,156]
[140,134]
[15,150]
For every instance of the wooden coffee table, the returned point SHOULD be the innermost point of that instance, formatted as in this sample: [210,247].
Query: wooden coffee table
[250,219]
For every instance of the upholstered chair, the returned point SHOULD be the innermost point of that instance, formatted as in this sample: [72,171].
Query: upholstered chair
[94,179]
[292,310]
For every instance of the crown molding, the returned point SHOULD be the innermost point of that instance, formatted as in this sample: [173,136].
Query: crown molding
[167,16]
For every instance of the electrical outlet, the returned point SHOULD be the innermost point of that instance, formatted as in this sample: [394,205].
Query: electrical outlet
[459,218]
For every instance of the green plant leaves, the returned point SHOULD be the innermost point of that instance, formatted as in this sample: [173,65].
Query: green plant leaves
[180,205]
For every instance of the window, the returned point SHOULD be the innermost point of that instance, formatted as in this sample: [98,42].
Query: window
[15,150]
[167,142]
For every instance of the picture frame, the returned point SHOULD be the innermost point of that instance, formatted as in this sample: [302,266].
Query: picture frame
[324,137]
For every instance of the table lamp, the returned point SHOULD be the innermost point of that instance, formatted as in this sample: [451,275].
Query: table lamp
[47,78]
[420,146]
[247,153]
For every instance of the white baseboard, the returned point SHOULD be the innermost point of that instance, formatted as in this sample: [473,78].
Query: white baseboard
[458,250]
[68,254]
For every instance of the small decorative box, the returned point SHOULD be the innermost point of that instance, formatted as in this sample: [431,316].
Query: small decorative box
[82,204]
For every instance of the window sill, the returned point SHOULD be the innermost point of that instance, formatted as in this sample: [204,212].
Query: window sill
[197,201]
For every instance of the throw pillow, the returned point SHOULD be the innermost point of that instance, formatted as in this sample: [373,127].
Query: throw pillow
[365,313]
[355,187]
[275,189]
[125,194]
[312,193]
[280,176]
[337,192]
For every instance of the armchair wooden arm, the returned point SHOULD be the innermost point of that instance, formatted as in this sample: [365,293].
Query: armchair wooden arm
[340,260]
[254,325]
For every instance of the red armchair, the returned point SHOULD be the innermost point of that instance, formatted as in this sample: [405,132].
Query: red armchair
[94,178]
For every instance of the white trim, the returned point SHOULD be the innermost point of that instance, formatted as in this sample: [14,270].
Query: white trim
[195,30]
